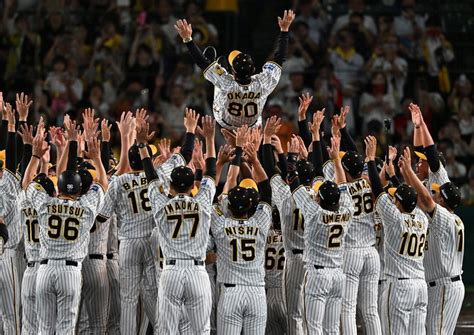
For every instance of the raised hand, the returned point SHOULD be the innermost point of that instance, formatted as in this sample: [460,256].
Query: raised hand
[256,135]
[72,131]
[303,150]
[305,100]
[105,130]
[46,156]
[57,137]
[198,156]
[38,144]
[250,151]
[93,149]
[208,127]
[184,29]
[2,107]
[10,117]
[142,129]
[370,147]
[285,22]
[335,126]
[392,153]
[22,106]
[229,136]
[190,120]
[333,151]
[293,145]
[164,146]
[314,126]
[225,154]
[125,124]
[90,124]
[241,136]
[341,120]
[276,143]
[141,114]
[272,126]
[416,115]
[26,134]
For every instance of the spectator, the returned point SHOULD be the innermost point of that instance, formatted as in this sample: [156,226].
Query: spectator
[327,90]
[81,50]
[376,104]
[306,38]
[53,28]
[467,190]
[466,120]
[409,27]
[297,88]
[456,170]
[355,6]
[173,112]
[394,67]
[461,92]
[94,98]
[167,20]
[184,75]
[204,33]
[363,38]
[313,14]
[297,61]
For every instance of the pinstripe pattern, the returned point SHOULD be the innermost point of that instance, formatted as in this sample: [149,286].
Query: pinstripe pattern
[10,292]
[95,291]
[137,268]
[241,311]
[406,301]
[28,301]
[58,292]
[294,273]
[444,305]
[212,273]
[382,306]
[113,322]
[227,92]
[30,227]
[379,243]
[322,300]
[276,313]
[439,177]
[9,190]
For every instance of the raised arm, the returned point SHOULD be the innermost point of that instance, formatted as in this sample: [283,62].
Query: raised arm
[317,153]
[38,152]
[93,152]
[305,100]
[22,107]
[105,147]
[26,134]
[143,137]
[417,119]
[281,51]
[293,147]
[209,128]
[259,174]
[271,127]
[339,175]
[370,149]
[223,157]
[125,127]
[347,142]
[190,123]
[425,201]
[185,31]
[241,137]
[10,151]
[432,154]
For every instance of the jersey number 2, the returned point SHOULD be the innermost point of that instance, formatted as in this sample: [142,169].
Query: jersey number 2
[335,233]
[249,109]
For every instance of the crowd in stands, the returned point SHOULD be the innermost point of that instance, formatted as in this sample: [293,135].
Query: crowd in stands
[116,55]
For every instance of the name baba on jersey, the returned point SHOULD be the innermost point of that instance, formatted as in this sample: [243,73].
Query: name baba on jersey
[135,183]
[65,209]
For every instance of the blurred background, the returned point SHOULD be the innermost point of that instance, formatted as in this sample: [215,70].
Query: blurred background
[375,56]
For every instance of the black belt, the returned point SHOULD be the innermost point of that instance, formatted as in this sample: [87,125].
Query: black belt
[31,264]
[382,281]
[297,251]
[68,262]
[173,262]
[110,256]
[403,278]
[453,279]
[318,267]
[229,285]
[96,256]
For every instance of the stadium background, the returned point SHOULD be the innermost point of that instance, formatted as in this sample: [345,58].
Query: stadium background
[376,56]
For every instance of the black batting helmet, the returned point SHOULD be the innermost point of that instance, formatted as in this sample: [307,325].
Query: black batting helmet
[353,163]
[305,171]
[240,201]
[182,178]
[69,182]
[242,64]
[329,194]
[255,198]
[46,183]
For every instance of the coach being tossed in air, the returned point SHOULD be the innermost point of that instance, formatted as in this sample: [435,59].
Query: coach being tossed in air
[239,97]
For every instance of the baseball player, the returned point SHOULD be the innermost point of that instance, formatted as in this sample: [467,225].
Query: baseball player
[211,268]
[405,227]
[240,242]
[326,220]
[65,224]
[183,231]
[274,262]
[239,97]
[128,199]
[113,321]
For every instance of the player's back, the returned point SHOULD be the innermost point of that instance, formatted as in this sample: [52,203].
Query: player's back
[127,197]
[274,259]
[9,190]
[361,231]
[241,247]
[444,250]
[30,227]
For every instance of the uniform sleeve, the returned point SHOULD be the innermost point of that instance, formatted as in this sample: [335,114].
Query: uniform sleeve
[439,177]
[345,201]
[36,194]
[207,190]
[217,75]
[157,198]
[387,209]
[94,199]
[280,191]
[305,203]
[263,215]
[110,200]
[329,170]
[217,222]
[10,185]
[164,171]
[269,77]
[440,220]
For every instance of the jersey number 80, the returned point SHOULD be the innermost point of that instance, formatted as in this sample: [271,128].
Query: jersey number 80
[249,109]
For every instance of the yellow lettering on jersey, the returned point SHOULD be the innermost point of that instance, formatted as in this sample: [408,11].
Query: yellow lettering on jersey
[411,222]
[333,218]
[65,209]
[241,230]
[187,206]
[358,186]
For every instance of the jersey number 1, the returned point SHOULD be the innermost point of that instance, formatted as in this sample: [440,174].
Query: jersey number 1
[250,109]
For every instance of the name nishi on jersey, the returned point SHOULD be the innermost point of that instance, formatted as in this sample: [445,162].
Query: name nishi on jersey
[333,218]
[240,95]
[184,205]
[135,183]
[241,230]
[29,212]
[65,209]
[358,186]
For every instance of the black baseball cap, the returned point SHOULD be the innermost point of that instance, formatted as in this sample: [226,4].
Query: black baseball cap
[305,171]
[329,194]
[450,194]
[240,201]
[242,64]
[46,183]
[134,157]
[182,178]
[406,195]
[353,163]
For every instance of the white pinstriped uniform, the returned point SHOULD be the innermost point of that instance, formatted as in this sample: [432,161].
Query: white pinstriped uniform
[361,263]
[183,232]
[443,268]
[292,225]
[95,284]
[274,262]
[382,279]
[113,321]
[64,235]
[439,177]
[241,272]
[128,198]
[10,282]
[30,226]
[234,104]
[212,273]
[406,296]
[324,244]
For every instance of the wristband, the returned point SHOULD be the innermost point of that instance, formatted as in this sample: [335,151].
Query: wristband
[187,39]
[36,156]
[141,145]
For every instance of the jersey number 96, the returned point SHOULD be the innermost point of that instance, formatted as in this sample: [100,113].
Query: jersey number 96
[249,109]
[68,228]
